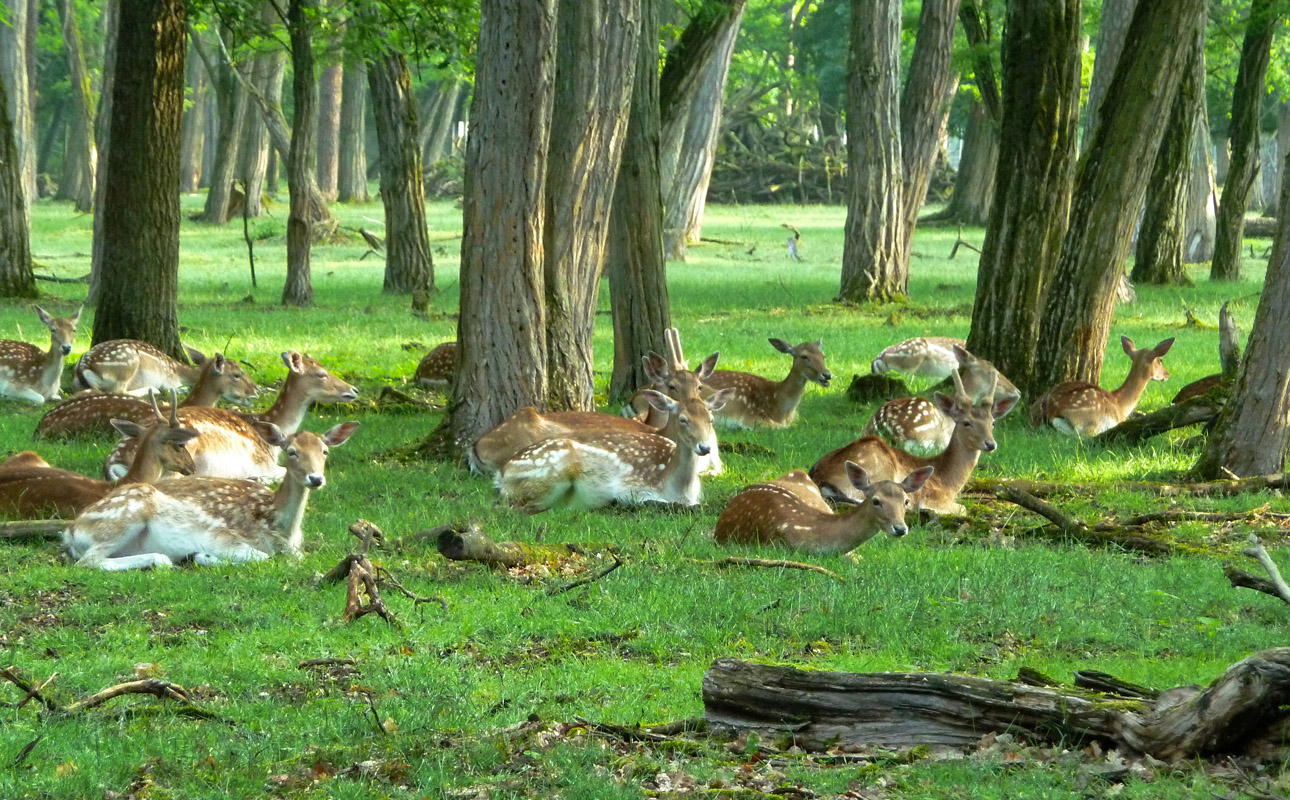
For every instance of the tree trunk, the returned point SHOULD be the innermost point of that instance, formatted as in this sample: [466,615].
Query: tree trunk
[53,134]
[1111,30]
[298,289]
[690,93]
[408,265]
[1269,174]
[16,279]
[329,100]
[13,67]
[141,208]
[595,66]
[873,267]
[80,157]
[1111,177]
[634,252]
[1041,80]
[1159,256]
[232,120]
[351,169]
[209,136]
[924,105]
[1283,139]
[1202,193]
[267,73]
[974,183]
[436,135]
[194,130]
[1222,157]
[103,138]
[1252,435]
[501,341]
[1244,139]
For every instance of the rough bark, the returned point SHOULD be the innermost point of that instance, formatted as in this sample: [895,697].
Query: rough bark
[329,101]
[80,156]
[973,194]
[1111,177]
[266,74]
[436,128]
[501,341]
[233,102]
[16,279]
[1111,31]
[1041,74]
[13,67]
[873,267]
[408,265]
[1202,191]
[634,252]
[1243,136]
[595,66]
[298,288]
[1252,434]
[140,271]
[690,93]
[351,167]
[194,130]
[103,138]
[1159,255]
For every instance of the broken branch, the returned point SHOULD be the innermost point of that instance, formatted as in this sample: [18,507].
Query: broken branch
[589,579]
[739,561]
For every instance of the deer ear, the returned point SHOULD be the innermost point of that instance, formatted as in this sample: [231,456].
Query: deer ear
[127,428]
[1003,407]
[77,316]
[339,434]
[180,436]
[655,367]
[780,345]
[218,366]
[944,402]
[1163,347]
[719,399]
[962,354]
[915,480]
[708,366]
[1127,344]
[660,401]
[271,433]
[44,316]
[294,361]
[858,477]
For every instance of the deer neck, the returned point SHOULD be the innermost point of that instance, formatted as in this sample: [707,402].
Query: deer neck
[203,392]
[1135,383]
[289,407]
[51,368]
[145,468]
[788,392]
[953,467]
[842,533]
[680,474]
[289,512]
[188,373]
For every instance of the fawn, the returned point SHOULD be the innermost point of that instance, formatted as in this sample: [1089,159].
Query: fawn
[27,372]
[761,401]
[1077,408]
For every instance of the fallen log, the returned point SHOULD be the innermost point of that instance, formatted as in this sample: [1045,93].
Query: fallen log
[1277,480]
[821,710]
[1192,411]
[33,529]
[1067,527]
[472,544]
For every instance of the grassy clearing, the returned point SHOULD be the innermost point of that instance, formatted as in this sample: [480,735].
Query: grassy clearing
[443,705]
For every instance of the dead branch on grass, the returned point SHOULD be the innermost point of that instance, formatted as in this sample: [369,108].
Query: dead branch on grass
[1104,535]
[1277,480]
[739,561]
[153,686]
[618,562]
[33,529]
[1273,585]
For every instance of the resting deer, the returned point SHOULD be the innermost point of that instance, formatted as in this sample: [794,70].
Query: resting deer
[760,401]
[924,356]
[89,413]
[211,520]
[973,433]
[26,372]
[791,511]
[917,426]
[130,366]
[437,367]
[594,470]
[29,486]
[1077,408]
[230,446]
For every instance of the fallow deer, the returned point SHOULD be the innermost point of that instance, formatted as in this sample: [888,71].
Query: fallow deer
[91,413]
[791,511]
[29,486]
[437,367]
[211,520]
[761,401]
[1077,408]
[917,426]
[973,433]
[594,470]
[230,446]
[130,366]
[924,356]
[27,372]
[672,376]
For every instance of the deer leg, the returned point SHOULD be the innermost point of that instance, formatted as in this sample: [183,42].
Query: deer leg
[216,554]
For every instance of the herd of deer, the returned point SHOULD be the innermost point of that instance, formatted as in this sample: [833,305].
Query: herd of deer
[219,509]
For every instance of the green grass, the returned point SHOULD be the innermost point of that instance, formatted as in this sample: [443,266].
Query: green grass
[456,688]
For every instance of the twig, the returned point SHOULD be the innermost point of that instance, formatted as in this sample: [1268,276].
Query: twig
[326,662]
[962,243]
[8,674]
[1048,511]
[1105,535]
[26,750]
[738,561]
[35,692]
[54,279]
[246,231]
[590,579]
[386,579]
[1258,553]
[621,733]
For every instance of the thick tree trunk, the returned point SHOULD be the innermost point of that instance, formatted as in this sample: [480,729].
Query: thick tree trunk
[1222,157]
[13,66]
[1202,192]
[1283,142]
[1111,177]
[634,252]
[690,93]
[1159,255]
[1244,139]
[1252,435]
[232,120]
[873,267]
[80,157]
[1269,174]
[141,208]
[595,66]
[16,279]
[1111,31]
[1041,78]
[974,183]
[408,265]
[102,138]
[501,333]
[351,168]
[303,191]
[194,128]
[329,101]
[267,75]
[436,129]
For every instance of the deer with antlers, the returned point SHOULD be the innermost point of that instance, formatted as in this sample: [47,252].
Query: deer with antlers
[220,378]
[230,446]
[760,401]
[917,426]
[210,520]
[973,434]
[30,374]
[134,367]
[29,486]
[594,470]
[1077,408]
[792,512]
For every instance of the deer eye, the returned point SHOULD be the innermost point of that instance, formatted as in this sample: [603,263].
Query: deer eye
[877,503]
[292,454]
[906,502]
